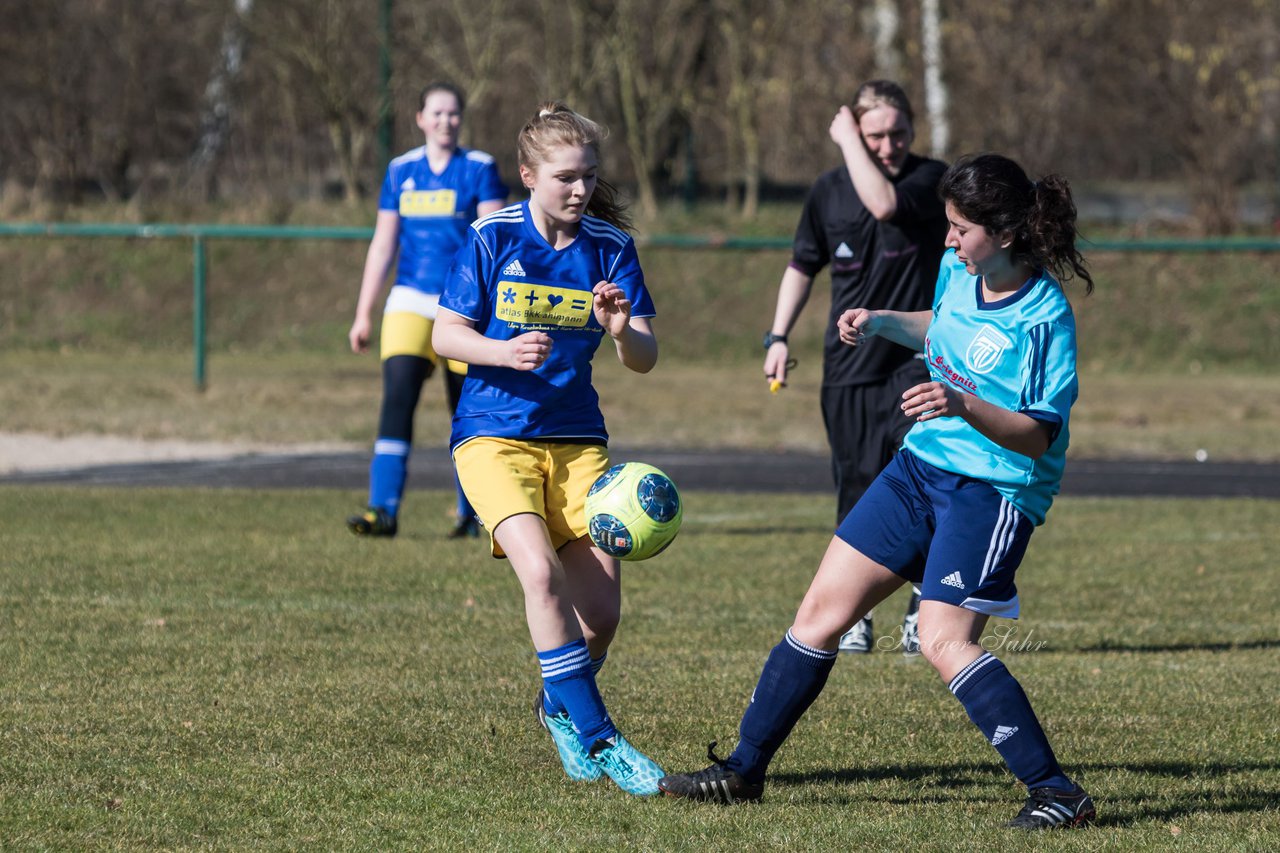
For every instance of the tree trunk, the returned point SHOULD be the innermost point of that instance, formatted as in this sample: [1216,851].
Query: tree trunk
[936,98]
[215,118]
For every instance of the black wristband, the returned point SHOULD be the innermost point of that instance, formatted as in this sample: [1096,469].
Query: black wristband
[770,339]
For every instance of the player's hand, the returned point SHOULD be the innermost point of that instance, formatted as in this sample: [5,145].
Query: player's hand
[932,400]
[612,307]
[844,128]
[856,325]
[528,351]
[359,335]
[776,365]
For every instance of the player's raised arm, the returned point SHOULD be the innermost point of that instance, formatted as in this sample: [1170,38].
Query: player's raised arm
[902,327]
[632,336]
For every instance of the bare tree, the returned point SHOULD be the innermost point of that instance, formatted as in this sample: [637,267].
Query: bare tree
[654,47]
[883,26]
[935,88]
[325,52]
[215,118]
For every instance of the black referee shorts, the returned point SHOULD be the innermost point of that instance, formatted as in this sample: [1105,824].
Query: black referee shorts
[865,427]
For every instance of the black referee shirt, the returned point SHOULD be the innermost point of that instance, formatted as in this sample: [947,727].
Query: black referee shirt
[879,265]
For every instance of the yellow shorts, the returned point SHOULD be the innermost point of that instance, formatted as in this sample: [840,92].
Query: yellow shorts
[505,476]
[407,321]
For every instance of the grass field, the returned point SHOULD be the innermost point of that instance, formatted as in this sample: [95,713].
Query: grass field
[232,670]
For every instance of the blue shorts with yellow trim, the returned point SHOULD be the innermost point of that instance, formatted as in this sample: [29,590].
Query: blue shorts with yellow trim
[503,477]
[407,320]
[957,537]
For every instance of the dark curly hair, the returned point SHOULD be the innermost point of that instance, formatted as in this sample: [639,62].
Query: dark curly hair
[993,191]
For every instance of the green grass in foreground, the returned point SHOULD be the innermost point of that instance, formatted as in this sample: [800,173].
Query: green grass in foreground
[232,669]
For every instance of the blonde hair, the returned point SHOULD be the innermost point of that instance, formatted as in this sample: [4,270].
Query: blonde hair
[555,125]
[881,93]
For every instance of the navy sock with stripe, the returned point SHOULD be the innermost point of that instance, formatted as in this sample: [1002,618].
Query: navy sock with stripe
[793,677]
[1000,709]
[569,683]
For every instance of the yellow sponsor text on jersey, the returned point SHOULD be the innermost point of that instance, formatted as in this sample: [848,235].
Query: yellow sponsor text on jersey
[524,303]
[428,203]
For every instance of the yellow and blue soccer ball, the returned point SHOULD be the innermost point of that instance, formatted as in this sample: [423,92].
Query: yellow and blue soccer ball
[633,511]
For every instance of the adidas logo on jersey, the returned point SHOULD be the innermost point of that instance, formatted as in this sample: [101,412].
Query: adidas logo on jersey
[843,251]
[408,184]
[514,268]
[1003,733]
[955,580]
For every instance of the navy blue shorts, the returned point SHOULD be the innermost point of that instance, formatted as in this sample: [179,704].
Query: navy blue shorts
[956,537]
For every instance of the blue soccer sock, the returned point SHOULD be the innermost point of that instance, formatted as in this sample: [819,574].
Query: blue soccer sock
[995,702]
[551,706]
[387,474]
[570,683]
[793,677]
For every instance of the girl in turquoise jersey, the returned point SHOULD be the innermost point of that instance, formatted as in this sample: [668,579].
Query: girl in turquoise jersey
[955,509]
[531,296]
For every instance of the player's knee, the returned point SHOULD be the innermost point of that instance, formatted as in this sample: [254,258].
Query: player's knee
[947,655]
[599,628]
[820,625]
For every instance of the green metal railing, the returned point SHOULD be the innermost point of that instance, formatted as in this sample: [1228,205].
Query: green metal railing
[201,234]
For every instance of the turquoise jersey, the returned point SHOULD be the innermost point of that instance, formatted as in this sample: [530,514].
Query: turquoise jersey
[508,280]
[435,210]
[1018,353]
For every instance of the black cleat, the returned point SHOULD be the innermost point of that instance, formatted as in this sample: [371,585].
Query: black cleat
[911,627]
[466,528]
[858,639]
[1050,808]
[374,521]
[716,784]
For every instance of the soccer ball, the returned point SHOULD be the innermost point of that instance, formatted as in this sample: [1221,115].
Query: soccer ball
[633,511]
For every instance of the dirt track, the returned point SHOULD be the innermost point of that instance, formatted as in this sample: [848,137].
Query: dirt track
[696,470]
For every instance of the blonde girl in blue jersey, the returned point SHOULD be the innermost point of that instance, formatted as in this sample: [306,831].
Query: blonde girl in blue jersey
[955,509]
[429,196]
[536,290]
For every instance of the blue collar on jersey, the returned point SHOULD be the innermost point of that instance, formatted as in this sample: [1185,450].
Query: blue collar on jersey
[996,305]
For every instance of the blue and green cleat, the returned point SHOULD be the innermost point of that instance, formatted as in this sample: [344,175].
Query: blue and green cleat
[578,765]
[634,771]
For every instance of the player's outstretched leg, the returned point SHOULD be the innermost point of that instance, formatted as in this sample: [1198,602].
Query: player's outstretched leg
[793,676]
[716,784]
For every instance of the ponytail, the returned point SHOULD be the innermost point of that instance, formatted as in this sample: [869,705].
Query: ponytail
[1051,231]
[993,191]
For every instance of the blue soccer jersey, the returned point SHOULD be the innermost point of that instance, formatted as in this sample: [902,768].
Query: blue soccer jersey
[1018,353]
[508,280]
[435,210]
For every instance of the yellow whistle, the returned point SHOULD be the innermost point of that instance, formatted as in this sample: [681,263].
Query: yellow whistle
[774,385]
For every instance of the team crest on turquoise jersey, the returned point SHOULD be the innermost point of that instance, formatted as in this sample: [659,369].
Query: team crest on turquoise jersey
[985,349]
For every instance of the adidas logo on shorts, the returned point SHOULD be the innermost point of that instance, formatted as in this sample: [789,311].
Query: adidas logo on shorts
[1003,733]
[955,580]
[514,268]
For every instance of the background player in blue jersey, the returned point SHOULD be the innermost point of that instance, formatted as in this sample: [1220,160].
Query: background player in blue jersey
[878,224]
[530,298]
[429,196]
[955,508]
